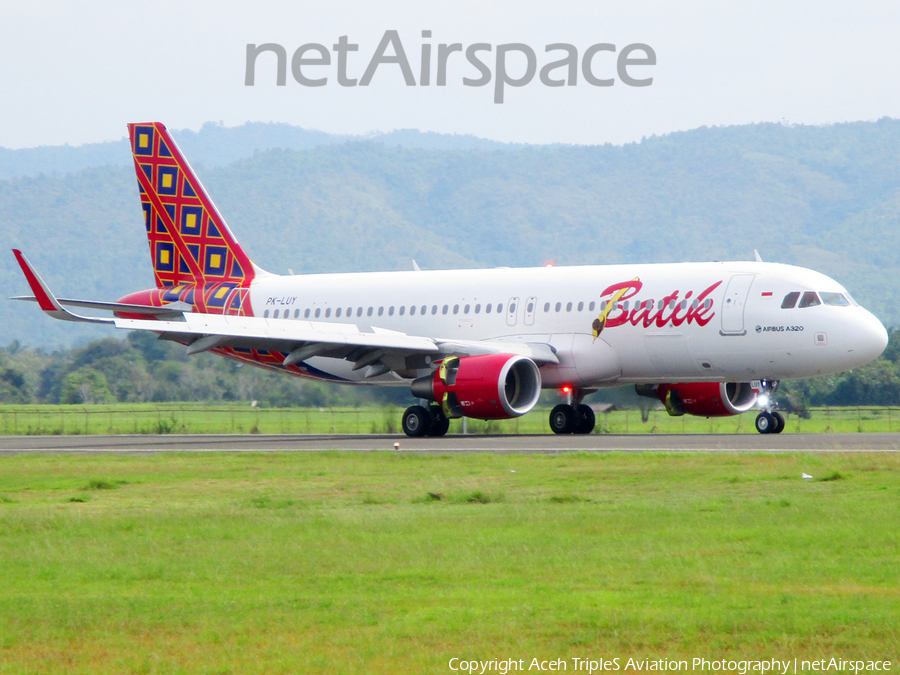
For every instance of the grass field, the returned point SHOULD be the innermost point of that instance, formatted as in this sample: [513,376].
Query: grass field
[394,563]
[194,418]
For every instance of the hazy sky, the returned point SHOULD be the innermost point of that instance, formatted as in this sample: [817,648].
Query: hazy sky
[75,72]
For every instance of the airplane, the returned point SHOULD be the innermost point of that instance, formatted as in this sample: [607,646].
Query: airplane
[709,339]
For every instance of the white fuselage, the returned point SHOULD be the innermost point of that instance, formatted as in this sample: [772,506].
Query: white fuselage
[720,321]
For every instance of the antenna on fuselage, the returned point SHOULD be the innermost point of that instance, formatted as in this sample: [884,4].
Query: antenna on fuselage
[416,266]
[756,253]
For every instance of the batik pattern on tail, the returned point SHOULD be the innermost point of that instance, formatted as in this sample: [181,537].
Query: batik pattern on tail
[196,258]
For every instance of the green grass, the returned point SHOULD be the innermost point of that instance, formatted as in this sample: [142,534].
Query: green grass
[395,563]
[193,418]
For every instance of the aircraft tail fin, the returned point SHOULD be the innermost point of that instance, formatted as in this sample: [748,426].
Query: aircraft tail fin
[189,240]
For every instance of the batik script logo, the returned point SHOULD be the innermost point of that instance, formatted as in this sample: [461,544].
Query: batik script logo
[674,309]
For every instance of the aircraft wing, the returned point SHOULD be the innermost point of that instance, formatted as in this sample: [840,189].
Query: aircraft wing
[375,347]
[304,339]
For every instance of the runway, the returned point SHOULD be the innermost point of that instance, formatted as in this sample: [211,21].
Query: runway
[825,442]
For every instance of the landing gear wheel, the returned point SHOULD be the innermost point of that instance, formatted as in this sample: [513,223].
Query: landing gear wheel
[439,423]
[416,421]
[765,423]
[779,423]
[586,419]
[563,419]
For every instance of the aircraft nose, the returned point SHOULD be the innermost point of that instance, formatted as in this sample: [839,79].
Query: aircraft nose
[866,338]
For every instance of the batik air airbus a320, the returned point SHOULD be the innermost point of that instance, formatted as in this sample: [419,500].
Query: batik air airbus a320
[710,339]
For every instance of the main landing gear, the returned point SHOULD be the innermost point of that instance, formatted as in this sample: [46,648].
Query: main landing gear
[569,419]
[574,417]
[421,421]
[769,421]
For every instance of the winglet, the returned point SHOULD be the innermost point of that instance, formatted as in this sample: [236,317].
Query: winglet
[45,297]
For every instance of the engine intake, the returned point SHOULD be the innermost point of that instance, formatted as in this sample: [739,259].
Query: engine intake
[704,399]
[488,387]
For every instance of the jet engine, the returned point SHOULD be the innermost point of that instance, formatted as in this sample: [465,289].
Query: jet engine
[705,399]
[488,387]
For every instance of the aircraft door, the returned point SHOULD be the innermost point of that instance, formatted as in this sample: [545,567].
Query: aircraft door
[512,311]
[530,309]
[733,304]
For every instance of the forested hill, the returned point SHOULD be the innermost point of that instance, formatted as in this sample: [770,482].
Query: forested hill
[215,145]
[822,197]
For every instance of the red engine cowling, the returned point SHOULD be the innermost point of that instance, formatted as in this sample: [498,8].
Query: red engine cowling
[489,387]
[705,399]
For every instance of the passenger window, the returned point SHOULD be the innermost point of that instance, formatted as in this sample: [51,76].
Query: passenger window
[275,315]
[478,309]
[487,310]
[266,314]
[337,314]
[603,305]
[466,309]
[391,310]
[569,307]
[434,310]
[381,311]
[558,306]
[318,312]
[456,309]
[707,303]
[530,307]
[834,299]
[546,306]
[790,300]
[369,313]
[591,306]
[580,306]
[296,313]
[444,310]
[425,309]
[809,299]
[412,310]
[359,311]
[328,312]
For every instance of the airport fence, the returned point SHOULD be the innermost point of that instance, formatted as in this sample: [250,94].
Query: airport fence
[191,418]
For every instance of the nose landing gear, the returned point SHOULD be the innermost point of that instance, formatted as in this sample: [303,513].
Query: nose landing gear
[769,421]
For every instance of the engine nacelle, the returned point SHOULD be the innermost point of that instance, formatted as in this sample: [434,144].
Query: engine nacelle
[704,399]
[488,387]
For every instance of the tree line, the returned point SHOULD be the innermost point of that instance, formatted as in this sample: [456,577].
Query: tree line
[143,369]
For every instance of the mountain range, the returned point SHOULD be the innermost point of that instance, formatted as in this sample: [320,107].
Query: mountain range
[825,197]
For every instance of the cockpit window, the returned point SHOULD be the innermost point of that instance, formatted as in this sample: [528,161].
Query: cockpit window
[809,299]
[834,299]
[790,300]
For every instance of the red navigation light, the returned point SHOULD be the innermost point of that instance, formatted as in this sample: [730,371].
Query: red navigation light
[549,264]
[566,389]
